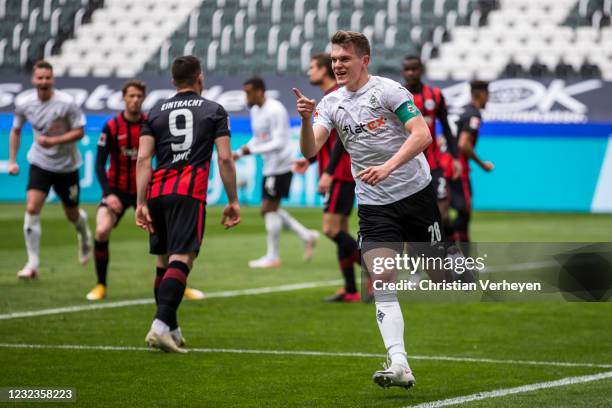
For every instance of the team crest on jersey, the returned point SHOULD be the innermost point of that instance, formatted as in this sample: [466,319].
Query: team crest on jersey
[102,139]
[373,101]
[316,114]
[430,104]
[474,122]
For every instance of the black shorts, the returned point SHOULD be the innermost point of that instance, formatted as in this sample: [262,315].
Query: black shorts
[277,186]
[65,185]
[127,200]
[440,184]
[340,198]
[415,218]
[178,222]
[461,194]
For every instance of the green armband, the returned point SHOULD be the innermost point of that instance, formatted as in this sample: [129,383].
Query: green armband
[407,111]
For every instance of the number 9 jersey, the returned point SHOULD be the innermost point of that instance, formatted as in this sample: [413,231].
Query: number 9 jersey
[185,128]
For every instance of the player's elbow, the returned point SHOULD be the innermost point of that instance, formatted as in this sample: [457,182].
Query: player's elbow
[225,158]
[80,133]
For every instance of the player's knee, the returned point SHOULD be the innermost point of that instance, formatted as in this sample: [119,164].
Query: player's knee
[32,208]
[72,213]
[103,232]
[330,230]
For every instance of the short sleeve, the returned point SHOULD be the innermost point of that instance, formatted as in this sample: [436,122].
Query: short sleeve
[145,128]
[470,123]
[19,119]
[76,117]
[222,126]
[394,95]
[322,116]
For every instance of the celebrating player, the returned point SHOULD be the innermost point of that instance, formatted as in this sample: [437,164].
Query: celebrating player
[180,132]
[385,136]
[336,182]
[270,123]
[468,127]
[54,161]
[430,102]
[119,139]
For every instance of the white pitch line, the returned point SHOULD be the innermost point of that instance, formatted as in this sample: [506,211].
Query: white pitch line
[125,303]
[302,353]
[516,390]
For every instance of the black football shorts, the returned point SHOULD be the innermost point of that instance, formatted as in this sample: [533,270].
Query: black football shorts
[65,185]
[178,222]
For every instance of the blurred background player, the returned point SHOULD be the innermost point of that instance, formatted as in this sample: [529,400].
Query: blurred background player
[270,124]
[468,127]
[337,184]
[180,132]
[119,140]
[430,101]
[54,160]
[385,136]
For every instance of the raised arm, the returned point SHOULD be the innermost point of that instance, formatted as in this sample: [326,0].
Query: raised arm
[311,138]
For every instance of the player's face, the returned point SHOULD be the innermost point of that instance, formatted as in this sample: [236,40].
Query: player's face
[253,96]
[412,71]
[347,65]
[483,97]
[133,99]
[316,73]
[42,79]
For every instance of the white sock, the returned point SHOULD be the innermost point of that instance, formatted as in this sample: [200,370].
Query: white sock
[391,325]
[176,334]
[81,225]
[32,232]
[274,224]
[294,225]
[160,327]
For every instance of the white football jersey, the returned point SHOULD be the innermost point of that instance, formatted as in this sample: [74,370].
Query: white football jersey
[51,118]
[270,124]
[372,133]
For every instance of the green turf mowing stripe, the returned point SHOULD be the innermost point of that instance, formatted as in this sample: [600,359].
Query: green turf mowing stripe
[516,390]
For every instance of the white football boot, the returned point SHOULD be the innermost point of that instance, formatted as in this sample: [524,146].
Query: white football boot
[394,375]
[164,342]
[264,262]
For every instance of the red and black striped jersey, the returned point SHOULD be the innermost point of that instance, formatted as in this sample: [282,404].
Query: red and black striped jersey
[185,128]
[119,139]
[429,101]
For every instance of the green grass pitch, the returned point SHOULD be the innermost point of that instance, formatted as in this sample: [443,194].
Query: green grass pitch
[289,321]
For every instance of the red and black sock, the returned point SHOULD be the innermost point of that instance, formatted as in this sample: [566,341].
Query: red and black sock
[348,254]
[159,275]
[101,257]
[170,293]
[461,227]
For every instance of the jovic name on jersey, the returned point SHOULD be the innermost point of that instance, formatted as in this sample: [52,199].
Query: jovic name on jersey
[370,124]
[53,117]
[185,128]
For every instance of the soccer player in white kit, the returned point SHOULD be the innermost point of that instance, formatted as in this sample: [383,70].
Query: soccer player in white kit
[270,124]
[385,135]
[54,160]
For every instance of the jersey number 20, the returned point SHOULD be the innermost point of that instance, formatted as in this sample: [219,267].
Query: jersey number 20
[186,132]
